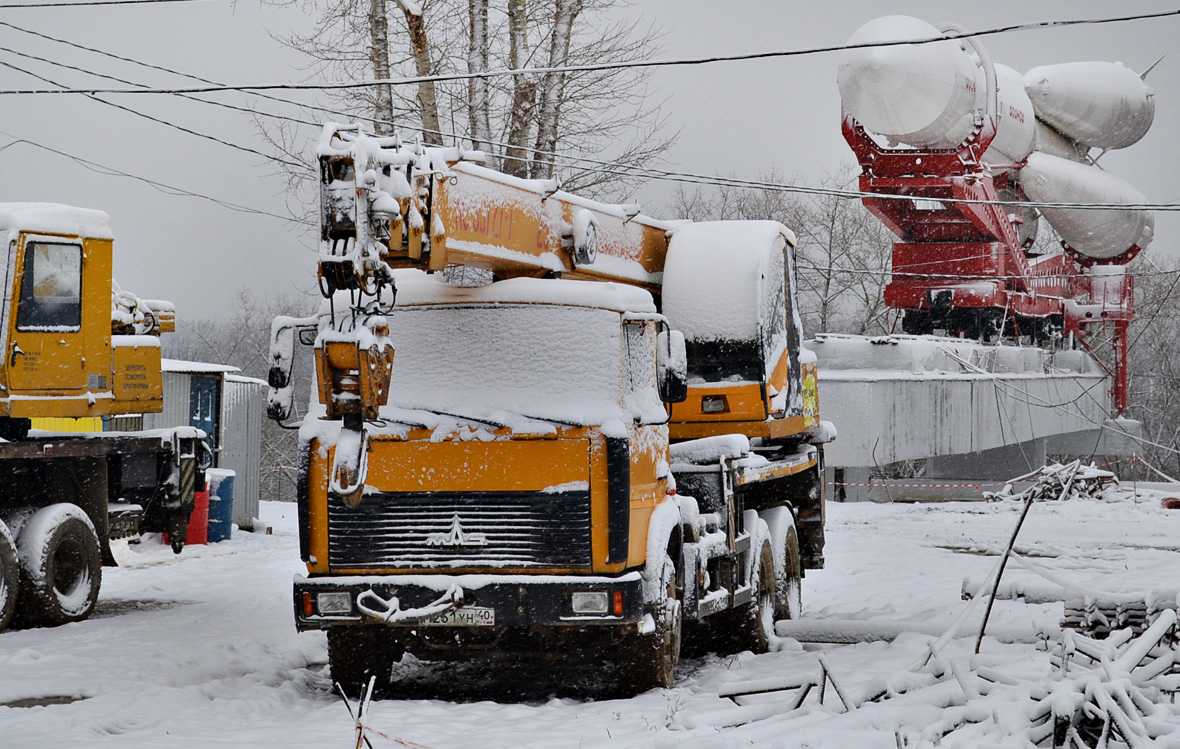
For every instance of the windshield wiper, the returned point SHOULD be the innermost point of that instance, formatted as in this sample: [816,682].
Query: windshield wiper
[486,422]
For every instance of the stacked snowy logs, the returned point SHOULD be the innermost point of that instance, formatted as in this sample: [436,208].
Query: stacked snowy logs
[1048,122]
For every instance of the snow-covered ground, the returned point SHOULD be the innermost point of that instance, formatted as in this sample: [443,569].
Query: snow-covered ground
[200,649]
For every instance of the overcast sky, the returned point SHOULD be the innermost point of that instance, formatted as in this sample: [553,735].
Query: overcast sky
[734,118]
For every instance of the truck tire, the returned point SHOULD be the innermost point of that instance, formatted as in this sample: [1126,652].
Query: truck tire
[788,583]
[751,627]
[9,576]
[358,653]
[60,564]
[649,660]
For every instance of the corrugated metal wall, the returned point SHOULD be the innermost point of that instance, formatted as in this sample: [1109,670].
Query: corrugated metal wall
[177,388]
[243,401]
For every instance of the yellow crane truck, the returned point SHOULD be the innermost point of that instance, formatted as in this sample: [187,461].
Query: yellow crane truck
[543,425]
[77,346]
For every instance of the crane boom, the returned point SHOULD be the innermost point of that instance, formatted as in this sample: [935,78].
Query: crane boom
[434,208]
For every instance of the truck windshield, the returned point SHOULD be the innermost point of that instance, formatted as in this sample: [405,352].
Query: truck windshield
[552,362]
[51,290]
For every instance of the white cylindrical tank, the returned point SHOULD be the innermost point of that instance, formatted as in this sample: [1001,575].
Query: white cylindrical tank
[1100,234]
[926,95]
[1102,104]
[1055,144]
[922,95]
[1016,128]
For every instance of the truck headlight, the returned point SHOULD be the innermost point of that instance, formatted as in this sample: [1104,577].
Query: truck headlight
[589,602]
[333,604]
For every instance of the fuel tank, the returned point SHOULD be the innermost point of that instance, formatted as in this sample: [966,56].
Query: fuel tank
[1100,234]
[1098,104]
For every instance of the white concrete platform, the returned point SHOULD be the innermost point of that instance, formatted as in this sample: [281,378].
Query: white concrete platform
[902,397]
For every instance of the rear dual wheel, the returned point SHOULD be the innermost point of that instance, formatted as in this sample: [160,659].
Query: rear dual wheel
[60,566]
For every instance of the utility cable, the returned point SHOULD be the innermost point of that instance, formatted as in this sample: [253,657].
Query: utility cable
[162,69]
[610,168]
[79,3]
[133,83]
[627,65]
[162,187]
[158,120]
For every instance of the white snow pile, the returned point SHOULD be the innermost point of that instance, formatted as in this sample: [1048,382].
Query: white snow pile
[200,650]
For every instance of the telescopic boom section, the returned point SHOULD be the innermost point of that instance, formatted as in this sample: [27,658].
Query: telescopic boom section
[435,208]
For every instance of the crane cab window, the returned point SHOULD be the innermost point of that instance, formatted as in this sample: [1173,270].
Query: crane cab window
[51,288]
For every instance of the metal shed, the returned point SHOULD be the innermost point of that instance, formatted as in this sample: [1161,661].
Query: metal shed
[229,408]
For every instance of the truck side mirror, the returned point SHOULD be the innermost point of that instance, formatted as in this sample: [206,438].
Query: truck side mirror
[672,366]
[283,330]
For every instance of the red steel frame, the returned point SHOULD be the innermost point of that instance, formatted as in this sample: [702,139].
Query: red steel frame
[956,238]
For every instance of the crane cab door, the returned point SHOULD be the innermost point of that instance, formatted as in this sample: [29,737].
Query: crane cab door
[44,350]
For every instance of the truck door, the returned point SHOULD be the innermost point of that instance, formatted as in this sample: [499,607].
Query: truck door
[44,351]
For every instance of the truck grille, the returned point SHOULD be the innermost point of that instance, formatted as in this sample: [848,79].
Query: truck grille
[468,530]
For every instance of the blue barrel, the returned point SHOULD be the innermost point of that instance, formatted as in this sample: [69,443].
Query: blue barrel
[221,503]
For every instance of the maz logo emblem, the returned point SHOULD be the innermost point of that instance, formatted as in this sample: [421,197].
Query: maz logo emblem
[456,536]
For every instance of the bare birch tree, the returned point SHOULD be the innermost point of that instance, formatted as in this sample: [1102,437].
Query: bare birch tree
[478,101]
[530,124]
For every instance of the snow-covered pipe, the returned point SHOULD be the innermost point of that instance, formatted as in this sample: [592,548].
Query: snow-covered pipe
[1099,104]
[927,95]
[1100,234]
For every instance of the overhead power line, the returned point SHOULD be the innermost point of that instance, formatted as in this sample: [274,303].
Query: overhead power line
[78,3]
[607,167]
[159,120]
[170,71]
[622,65]
[162,187]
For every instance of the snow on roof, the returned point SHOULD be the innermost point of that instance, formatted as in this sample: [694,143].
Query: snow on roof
[713,276]
[194,367]
[55,218]
[424,290]
[246,380]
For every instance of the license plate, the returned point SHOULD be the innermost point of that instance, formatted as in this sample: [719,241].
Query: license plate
[469,616]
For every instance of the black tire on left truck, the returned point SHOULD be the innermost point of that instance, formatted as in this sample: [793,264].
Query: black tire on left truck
[60,566]
[9,576]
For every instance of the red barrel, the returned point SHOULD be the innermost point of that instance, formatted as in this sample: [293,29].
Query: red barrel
[198,521]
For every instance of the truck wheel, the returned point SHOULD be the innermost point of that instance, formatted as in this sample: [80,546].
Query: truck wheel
[358,653]
[60,564]
[751,626]
[649,662]
[788,600]
[9,576]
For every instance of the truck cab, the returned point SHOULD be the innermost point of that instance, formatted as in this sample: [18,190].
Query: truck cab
[533,448]
[63,357]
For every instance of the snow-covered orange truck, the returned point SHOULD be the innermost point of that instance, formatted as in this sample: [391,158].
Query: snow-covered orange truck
[543,425]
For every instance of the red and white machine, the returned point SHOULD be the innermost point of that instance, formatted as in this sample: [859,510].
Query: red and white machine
[952,148]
